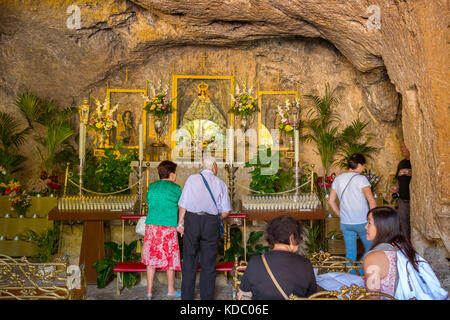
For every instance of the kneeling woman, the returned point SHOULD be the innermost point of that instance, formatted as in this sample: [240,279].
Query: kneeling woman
[292,273]
[161,249]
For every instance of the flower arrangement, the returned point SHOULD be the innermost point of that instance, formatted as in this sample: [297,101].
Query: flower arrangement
[326,185]
[37,187]
[159,104]
[285,124]
[20,202]
[372,177]
[243,103]
[12,186]
[102,120]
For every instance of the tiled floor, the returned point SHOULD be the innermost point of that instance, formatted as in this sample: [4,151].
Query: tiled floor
[223,289]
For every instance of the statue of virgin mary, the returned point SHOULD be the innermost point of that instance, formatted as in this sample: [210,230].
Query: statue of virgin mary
[203,109]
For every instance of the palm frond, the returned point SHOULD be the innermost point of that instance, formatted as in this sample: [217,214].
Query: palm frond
[10,135]
[12,162]
[30,106]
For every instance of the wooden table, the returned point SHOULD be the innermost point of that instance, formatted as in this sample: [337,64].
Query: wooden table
[92,245]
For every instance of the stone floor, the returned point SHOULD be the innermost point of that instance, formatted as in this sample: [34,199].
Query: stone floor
[223,289]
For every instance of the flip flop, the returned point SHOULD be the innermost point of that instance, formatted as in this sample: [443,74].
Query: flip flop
[149,296]
[176,295]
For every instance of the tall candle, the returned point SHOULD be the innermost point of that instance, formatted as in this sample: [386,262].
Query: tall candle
[297,146]
[82,140]
[141,142]
[230,142]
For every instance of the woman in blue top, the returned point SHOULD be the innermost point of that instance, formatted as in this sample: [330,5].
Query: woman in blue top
[160,249]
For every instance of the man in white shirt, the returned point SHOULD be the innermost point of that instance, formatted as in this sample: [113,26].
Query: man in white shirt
[356,198]
[199,225]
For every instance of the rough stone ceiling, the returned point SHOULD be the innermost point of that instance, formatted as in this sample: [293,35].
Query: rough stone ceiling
[230,21]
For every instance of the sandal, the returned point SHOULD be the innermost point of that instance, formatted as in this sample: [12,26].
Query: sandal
[175,295]
[149,296]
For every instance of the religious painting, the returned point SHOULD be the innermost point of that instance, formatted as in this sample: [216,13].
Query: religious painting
[128,116]
[269,117]
[201,110]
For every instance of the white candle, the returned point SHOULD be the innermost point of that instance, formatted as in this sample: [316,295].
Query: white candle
[230,143]
[82,140]
[141,142]
[297,146]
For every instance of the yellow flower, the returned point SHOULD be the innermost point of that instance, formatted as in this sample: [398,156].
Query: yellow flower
[288,128]
[99,125]
[153,107]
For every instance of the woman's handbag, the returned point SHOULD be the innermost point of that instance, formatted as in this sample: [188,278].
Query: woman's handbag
[273,278]
[140,226]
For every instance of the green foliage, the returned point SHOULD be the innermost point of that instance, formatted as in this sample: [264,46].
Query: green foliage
[56,121]
[11,139]
[313,242]
[351,142]
[113,253]
[113,171]
[46,242]
[305,177]
[31,107]
[57,133]
[263,182]
[320,128]
[237,250]
[285,180]
[90,179]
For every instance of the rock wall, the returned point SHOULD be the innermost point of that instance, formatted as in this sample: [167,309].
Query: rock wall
[368,65]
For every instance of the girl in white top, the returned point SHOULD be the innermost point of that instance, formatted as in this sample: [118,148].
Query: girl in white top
[356,198]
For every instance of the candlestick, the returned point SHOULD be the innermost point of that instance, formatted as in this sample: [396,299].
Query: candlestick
[230,143]
[82,140]
[141,142]
[297,146]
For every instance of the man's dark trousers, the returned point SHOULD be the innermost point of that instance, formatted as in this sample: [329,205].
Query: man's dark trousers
[200,239]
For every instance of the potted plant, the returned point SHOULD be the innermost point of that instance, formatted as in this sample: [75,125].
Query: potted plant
[114,169]
[321,127]
[45,116]
[46,242]
[105,266]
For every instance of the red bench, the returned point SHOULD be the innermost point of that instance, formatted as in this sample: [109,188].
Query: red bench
[124,266]
[225,266]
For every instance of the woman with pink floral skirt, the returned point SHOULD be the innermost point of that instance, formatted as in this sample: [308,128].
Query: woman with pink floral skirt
[161,249]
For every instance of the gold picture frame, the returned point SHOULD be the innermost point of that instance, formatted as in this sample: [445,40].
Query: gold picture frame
[262,93]
[118,116]
[180,106]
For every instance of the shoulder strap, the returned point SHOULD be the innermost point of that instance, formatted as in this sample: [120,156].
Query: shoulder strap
[342,194]
[209,190]
[273,278]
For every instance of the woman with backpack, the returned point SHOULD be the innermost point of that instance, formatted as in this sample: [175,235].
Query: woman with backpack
[392,265]
[356,198]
